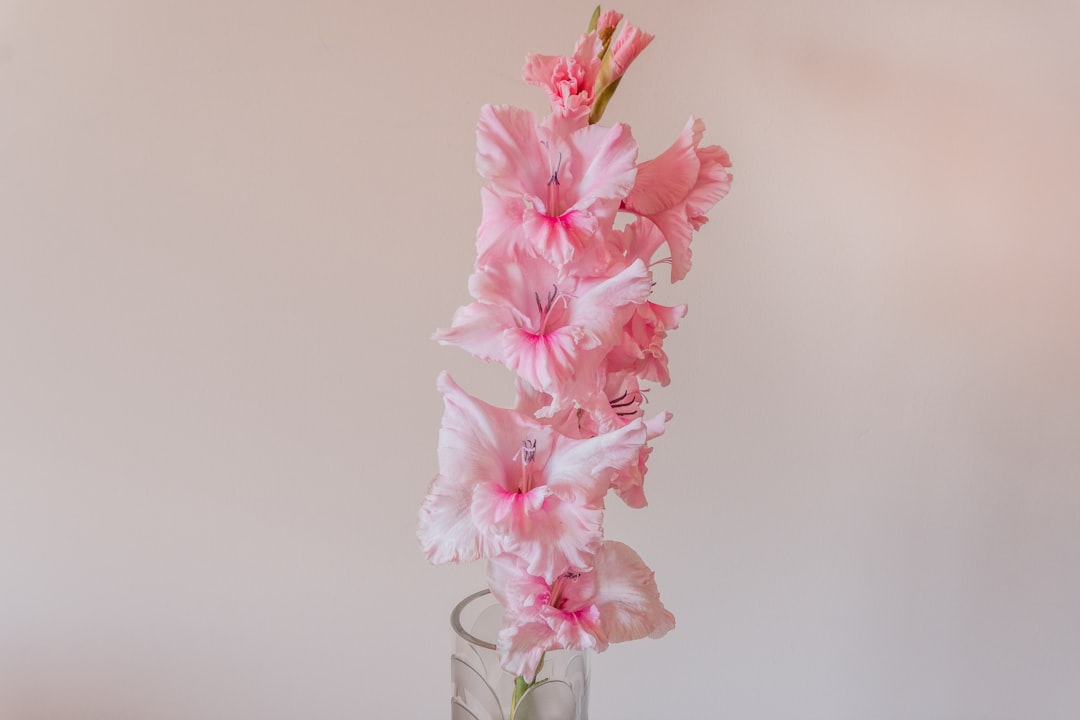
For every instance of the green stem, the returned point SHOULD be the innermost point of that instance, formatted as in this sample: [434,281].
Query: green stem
[521,685]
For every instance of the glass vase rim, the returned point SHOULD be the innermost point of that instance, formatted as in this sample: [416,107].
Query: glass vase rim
[455,620]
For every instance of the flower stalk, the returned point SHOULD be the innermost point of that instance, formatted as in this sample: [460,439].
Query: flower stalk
[573,225]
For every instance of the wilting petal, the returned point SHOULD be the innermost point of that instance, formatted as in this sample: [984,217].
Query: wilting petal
[627,596]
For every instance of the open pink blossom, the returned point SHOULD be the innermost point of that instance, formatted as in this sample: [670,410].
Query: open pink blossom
[551,192]
[543,328]
[621,405]
[676,189]
[616,601]
[508,484]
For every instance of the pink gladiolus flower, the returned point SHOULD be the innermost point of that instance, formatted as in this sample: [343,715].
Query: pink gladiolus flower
[542,328]
[568,81]
[677,188]
[508,484]
[616,601]
[551,192]
[561,298]
[642,348]
[620,405]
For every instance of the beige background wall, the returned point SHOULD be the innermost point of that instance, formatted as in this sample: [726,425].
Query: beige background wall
[228,228]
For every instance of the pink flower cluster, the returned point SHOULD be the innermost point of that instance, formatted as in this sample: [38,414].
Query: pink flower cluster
[572,224]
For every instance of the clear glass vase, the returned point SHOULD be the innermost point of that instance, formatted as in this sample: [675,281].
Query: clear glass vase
[482,690]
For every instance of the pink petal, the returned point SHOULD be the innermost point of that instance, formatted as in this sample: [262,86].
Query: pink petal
[478,442]
[521,645]
[601,164]
[627,596]
[585,468]
[478,328]
[627,46]
[476,446]
[513,587]
[579,630]
[508,150]
[500,234]
[565,533]
[629,484]
[713,182]
[545,361]
[446,531]
[641,239]
[557,239]
[598,309]
[607,21]
[678,232]
[516,285]
[666,180]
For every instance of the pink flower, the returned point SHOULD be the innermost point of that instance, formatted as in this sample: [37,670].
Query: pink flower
[568,81]
[508,484]
[676,189]
[616,601]
[642,348]
[625,48]
[620,404]
[543,328]
[551,192]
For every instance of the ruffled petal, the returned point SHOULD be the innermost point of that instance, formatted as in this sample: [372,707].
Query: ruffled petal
[477,443]
[666,180]
[545,361]
[599,307]
[508,150]
[584,469]
[478,328]
[521,645]
[446,531]
[629,483]
[627,596]
[562,534]
[514,588]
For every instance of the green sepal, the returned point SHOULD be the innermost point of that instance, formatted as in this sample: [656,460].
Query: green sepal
[601,101]
[594,19]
